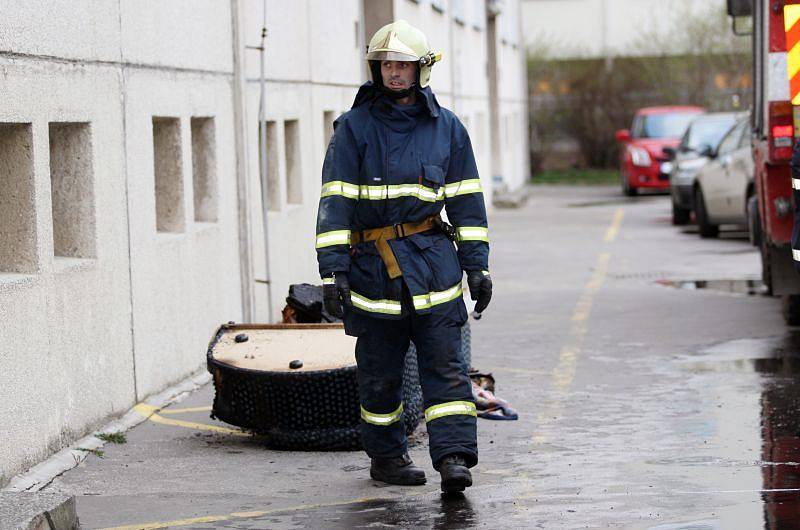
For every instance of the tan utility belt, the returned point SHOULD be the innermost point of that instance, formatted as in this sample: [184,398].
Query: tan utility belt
[382,236]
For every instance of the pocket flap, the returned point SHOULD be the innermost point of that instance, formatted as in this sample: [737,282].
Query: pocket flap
[433,174]
[420,241]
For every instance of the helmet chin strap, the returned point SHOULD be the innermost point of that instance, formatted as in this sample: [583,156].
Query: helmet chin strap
[397,94]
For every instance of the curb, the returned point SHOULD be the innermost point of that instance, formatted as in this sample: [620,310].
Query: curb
[42,474]
[37,511]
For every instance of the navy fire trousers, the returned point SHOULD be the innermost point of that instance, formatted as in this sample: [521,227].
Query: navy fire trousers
[446,388]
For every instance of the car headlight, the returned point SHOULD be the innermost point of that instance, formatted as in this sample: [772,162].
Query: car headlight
[640,157]
[666,167]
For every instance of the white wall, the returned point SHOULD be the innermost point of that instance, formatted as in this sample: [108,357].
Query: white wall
[82,339]
[596,28]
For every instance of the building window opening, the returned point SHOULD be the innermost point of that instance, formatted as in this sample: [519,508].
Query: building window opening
[17,208]
[294,172]
[72,190]
[168,166]
[204,169]
[273,169]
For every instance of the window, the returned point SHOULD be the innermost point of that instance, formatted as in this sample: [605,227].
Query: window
[294,173]
[204,169]
[72,190]
[17,210]
[328,117]
[457,7]
[273,170]
[168,169]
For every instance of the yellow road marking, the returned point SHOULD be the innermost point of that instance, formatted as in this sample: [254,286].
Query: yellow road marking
[616,223]
[564,372]
[150,412]
[245,515]
[207,408]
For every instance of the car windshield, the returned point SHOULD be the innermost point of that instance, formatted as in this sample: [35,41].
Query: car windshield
[662,125]
[707,131]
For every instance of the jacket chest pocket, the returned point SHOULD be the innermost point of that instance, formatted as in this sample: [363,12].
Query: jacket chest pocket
[432,176]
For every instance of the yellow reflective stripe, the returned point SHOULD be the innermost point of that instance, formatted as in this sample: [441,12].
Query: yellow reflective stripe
[426,301]
[336,237]
[450,408]
[382,419]
[473,233]
[341,188]
[463,188]
[328,281]
[485,273]
[395,191]
[388,307]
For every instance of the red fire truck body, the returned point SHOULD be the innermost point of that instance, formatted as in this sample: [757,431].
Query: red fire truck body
[771,209]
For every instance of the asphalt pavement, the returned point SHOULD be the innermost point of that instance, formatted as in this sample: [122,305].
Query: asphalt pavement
[656,386]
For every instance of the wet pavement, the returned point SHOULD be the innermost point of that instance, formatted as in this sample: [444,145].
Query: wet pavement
[657,388]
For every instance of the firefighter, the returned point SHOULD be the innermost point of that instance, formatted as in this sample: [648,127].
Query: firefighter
[388,262]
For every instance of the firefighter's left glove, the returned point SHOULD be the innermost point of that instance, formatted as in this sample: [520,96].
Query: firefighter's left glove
[480,289]
[337,294]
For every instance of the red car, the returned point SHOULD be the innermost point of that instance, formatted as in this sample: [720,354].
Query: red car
[643,162]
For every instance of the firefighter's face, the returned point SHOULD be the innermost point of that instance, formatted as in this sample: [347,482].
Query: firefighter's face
[398,75]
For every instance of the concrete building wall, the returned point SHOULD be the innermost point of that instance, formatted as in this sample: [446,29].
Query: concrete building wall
[104,309]
[599,28]
[121,228]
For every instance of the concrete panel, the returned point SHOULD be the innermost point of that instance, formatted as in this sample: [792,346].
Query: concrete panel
[185,284]
[66,334]
[179,33]
[88,29]
[335,53]
[287,46]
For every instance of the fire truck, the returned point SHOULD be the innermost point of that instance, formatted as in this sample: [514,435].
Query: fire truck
[771,208]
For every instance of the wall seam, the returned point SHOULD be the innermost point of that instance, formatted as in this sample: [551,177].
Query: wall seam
[123,100]
[111,64]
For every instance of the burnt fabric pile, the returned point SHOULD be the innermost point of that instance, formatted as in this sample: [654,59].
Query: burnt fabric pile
[489,406]
[304,305]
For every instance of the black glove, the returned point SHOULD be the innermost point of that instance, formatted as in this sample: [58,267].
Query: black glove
[337,293]
[480,289]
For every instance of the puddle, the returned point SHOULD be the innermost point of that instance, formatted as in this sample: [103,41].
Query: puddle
[748,287]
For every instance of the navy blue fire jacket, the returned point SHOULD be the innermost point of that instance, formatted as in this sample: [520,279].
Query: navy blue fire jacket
[388,164]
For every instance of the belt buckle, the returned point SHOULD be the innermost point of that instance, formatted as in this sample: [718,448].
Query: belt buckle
[399,233]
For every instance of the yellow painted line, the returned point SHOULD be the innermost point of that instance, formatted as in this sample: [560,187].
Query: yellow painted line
[563,373]
[150,412]
[616,223]
[186,410]
[246,515]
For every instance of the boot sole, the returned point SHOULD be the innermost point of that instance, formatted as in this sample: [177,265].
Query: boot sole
[411,481]
[456,484]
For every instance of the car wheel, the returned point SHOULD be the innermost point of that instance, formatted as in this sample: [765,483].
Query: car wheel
[754,221]
[791,309]
[703,223]
[680,216]
[627,189]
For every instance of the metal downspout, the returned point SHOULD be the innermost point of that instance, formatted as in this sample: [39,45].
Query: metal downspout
[262,147]
[240,139]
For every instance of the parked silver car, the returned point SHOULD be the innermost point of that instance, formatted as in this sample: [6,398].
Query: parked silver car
[697,145]
[724,185]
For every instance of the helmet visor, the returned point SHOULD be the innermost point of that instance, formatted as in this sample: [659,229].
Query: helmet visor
[390,56]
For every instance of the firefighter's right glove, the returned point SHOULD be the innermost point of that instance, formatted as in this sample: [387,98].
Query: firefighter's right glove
[336,294]
[480,289]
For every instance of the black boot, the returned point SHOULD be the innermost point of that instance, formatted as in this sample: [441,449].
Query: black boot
[397,470]
[455,474]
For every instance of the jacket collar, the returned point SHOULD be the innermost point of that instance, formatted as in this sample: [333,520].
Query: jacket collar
[368,92]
